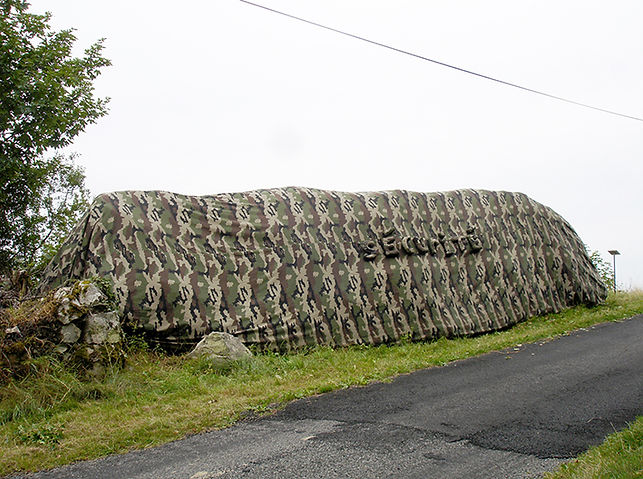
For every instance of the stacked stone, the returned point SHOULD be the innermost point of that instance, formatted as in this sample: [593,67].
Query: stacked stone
[90,329]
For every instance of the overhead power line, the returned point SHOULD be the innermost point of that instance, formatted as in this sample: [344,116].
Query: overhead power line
[421,57]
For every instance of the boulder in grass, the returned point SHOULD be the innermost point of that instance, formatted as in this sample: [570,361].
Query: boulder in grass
[220,349]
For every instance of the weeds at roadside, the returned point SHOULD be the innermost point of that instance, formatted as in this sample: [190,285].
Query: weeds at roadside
[40,434]
[619,456]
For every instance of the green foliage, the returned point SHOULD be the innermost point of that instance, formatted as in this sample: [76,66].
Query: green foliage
[105,286]
[50,387]
[60,200]
[46,100]
[40,434]
[604,269]
[136,343]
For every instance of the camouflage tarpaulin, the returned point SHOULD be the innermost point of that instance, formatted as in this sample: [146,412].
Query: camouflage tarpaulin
[285,268]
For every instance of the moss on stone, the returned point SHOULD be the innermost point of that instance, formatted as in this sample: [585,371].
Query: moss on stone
[35,329]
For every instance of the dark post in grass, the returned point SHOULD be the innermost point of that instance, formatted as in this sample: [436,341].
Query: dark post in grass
[614,252]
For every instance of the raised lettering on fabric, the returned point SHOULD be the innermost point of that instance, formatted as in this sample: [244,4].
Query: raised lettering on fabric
[391,244]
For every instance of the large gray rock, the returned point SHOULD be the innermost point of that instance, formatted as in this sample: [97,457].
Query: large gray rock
[67,312]
[89,296]
[69,333]
[76,301]
[101,328]
[220,348]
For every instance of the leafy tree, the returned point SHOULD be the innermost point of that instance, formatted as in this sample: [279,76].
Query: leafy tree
[46,100]
[604,269]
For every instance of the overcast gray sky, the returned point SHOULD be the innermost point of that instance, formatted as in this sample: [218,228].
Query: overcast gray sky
[212,97]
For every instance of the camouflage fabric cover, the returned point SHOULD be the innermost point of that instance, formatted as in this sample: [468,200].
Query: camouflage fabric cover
[286,268]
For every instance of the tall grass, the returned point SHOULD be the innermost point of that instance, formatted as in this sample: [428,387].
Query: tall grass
[619,457]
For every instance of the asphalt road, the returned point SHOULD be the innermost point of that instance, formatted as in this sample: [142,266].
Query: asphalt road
[511,414]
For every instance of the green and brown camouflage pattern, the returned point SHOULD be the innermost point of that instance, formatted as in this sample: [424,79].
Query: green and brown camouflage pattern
[292,267]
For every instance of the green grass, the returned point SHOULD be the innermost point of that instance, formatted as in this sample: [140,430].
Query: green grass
[53,418]
[620,456]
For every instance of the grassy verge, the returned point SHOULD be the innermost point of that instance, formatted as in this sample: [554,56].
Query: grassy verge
[620,456]
[53,418]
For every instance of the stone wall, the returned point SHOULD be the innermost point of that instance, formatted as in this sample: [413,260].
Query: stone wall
[78,324]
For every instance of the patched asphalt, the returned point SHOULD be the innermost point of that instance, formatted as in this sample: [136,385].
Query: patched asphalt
[510,414]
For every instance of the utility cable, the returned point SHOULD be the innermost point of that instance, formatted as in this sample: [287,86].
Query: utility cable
[463,70]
